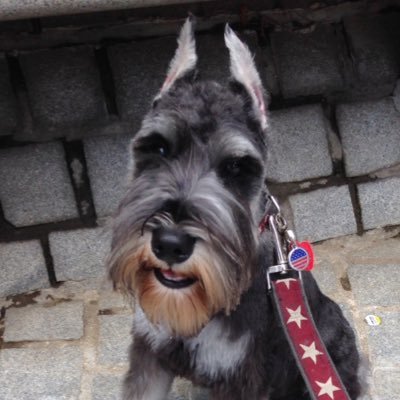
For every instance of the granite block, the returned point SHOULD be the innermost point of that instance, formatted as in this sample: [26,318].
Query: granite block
[370,133]
[323,214]
[45,374]
[64,89]
[35,187]
[108,160]
[38,323]
[379,202]
[307,64]
[79,254]
[297,145]
[115,338]
[22,267]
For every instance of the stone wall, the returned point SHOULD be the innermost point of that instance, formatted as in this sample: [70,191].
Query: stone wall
[68,113]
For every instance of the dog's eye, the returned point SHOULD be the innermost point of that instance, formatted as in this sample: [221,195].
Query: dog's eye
[239,167]
[154,144]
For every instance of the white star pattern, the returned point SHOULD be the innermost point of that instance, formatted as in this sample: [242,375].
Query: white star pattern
[310,352]
[286,281]
[295,316]
[327,388]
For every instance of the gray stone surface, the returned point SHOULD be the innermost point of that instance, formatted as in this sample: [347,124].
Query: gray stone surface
[374,42]
[22,267]
[34,185]
[115,338]
[307,63]
[42,374]
[384,340]
[379,202]
[370,133]
[139,70]
[371,286]
[323,213]
[297,145]
[64,88]
[36,322]
[107,387]
[387,384]
[107,159]
[8,111]
[328,281]
[79,254]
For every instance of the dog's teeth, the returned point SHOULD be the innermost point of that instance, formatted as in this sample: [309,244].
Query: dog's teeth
[171,275]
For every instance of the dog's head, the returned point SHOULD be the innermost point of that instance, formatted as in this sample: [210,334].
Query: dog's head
[185,239]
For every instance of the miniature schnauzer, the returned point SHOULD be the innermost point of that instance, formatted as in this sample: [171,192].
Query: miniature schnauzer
[186,245]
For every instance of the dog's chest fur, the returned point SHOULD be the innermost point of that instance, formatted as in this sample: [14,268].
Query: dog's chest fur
[211,354]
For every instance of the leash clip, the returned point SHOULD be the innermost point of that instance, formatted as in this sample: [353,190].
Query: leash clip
[284,240]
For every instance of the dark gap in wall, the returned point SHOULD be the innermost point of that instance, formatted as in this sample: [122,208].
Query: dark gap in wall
[107,79]
[36,26]
[290,188]
[25,120]
[355,201]
[4,224]
[44,241]
[345,55]
[335,143]
[278,102]
[77,168]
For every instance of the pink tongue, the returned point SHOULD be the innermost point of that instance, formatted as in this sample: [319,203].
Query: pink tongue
[173,276]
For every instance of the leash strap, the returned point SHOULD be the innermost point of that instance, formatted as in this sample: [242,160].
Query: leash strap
[312,358]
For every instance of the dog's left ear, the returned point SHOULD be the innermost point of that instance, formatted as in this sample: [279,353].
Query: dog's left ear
[244,71]
[185,57]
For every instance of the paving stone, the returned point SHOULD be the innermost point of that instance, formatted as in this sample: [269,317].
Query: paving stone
[370,284]
[45,374]
[64,88]
[384,340]
[110,299]
[106,387]
[370,133]
[34,185]
[328,281]
[307,64]
[379,202]
[8,110]
[79,254]
[323,214]
[297,145]
[35,322]
[22,267]
[139,69]
[115,338]
[107,159]
[387,384]
[374,42]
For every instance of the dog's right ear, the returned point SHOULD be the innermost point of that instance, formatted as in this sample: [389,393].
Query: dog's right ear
[185,57]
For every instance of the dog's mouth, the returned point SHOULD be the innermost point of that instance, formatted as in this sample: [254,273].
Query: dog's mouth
[173,280]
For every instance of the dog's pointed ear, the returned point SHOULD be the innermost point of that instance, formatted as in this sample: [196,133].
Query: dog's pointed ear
[244,71]
[185,58]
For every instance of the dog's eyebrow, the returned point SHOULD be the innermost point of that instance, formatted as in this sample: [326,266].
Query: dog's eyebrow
[160,124]
[233,143]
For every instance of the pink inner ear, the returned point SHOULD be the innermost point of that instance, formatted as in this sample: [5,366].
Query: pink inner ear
[259,97]
[167,81]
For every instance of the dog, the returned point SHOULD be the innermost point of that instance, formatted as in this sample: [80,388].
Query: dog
[186,244]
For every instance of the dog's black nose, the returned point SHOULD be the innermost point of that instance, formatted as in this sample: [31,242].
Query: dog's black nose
[172,245]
